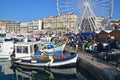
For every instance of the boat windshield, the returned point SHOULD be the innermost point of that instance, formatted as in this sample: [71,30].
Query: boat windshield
[22,49]
[2,35]
[43,40]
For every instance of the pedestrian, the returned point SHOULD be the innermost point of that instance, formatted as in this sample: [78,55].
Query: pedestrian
[108,40]
[77,46]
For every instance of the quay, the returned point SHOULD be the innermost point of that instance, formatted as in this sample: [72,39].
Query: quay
[100,69]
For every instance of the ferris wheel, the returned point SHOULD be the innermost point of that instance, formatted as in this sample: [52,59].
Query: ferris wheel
[95,13]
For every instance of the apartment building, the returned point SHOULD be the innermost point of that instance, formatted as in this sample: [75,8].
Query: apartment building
[23,27]
[3,24]
[115,24]
[34,25]
[64,21]
[13,27]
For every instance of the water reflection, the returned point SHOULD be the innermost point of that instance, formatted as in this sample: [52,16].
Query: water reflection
[14,73]
[5,72]
[48,74]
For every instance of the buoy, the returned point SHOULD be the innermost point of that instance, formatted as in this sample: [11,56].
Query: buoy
[62,56]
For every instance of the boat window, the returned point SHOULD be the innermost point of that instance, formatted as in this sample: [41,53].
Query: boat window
[19,49]
[25,49]
[19,77]
[0,46]
[2,35]
[20,36]
[26,78]
[22,49]
[44,40]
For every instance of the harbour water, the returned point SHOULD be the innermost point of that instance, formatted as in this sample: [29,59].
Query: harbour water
[9,73]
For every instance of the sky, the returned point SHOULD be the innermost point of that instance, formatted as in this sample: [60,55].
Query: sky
[27,10]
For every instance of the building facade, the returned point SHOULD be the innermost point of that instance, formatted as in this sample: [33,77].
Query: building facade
[34,25]
[115,24]
[23,27]
[64,22]
[61,22]
[3,24]
[13,27]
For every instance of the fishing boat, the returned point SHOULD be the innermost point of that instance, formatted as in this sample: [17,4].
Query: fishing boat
[49,47]
[28,55]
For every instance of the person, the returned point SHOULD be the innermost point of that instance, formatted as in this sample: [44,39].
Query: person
[77,46]
[109,42]
[108,38]
[99,46]
[97,39]
[12,56]
[37,52]
[114,43]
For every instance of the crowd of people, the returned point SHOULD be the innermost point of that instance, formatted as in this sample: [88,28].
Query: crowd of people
[94,44]
[97,43]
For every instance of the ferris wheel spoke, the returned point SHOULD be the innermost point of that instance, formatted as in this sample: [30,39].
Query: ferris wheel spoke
[74,11]
[103,1]
[67,6]
[87,9]
[68,10]
[66,2]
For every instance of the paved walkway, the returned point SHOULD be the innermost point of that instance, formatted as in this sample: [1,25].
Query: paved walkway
[99,66]
[96,61]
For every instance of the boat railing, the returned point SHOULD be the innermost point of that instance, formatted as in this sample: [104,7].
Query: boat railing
[33,57]
[24,57]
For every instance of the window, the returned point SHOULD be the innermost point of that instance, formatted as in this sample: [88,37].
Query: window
[25,49]
[22,49]
[19,77]
[19,49]
[0,45]
[26,78]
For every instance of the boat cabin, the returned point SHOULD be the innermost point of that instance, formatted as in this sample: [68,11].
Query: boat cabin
[2,35]
[24,50]
[6,47]
[45,40]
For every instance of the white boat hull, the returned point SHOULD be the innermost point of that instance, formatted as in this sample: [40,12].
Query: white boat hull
[4,55]
[59,48]
[68,62]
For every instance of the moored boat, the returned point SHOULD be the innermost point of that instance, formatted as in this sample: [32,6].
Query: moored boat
[26,56]
[49,47]
[6,49]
